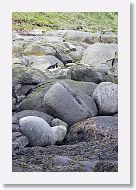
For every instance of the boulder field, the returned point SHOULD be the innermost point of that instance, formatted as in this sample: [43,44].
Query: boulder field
[64,102]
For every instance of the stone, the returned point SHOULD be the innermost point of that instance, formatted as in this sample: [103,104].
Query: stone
[22,141]
[38,50]
[106,166]
[58,122]
[60,133]
[70,46]
[34,49]
[34,101]
[13,104]
[77,55]
[106,97]
[89,102]
[16,60]
[109,38]
[26,75]
[64,103]
[15,36]
[15,128]
[60,73]
[37,130]
[95,129]
[58,33]
[88,74]
[61,160]
[23,90]
[37,32]
[87,37]
[63,57]
[43,62]
[21,97]
[89,165]
[15,135]
[100,55]
[17,48]
[17,116]
[52,39]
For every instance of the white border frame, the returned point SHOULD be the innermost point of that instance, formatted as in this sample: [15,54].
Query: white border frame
[123,174]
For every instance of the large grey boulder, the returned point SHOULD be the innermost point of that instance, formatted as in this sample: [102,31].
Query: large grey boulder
[100,55]
[106,97]
[24,80]
[38,50]
[37,130]
[88,74]
[63,102]
[27,75]
[34,101]
[43,62]
[95,129]
[87,37]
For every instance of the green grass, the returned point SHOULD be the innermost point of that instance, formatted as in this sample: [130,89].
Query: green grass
[85,21]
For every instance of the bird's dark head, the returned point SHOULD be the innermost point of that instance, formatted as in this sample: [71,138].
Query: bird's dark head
[56,65]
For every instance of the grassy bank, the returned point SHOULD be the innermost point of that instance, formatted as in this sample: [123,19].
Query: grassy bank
[77,21]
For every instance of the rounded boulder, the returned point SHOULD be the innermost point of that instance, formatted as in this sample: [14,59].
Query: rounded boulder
[106,97]
[37,130]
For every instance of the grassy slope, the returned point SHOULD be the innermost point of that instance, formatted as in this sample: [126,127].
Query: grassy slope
[80,21]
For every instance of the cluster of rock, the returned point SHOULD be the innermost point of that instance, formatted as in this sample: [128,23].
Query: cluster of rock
[65,118]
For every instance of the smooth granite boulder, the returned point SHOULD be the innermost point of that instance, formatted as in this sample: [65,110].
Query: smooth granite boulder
[106,97]
[37,130]
[100,55]
[88,74]
[64,103]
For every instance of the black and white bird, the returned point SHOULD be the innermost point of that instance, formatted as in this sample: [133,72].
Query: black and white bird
[53,66]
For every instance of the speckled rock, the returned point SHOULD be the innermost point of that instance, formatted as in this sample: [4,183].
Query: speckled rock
[106,98]
[94,129]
